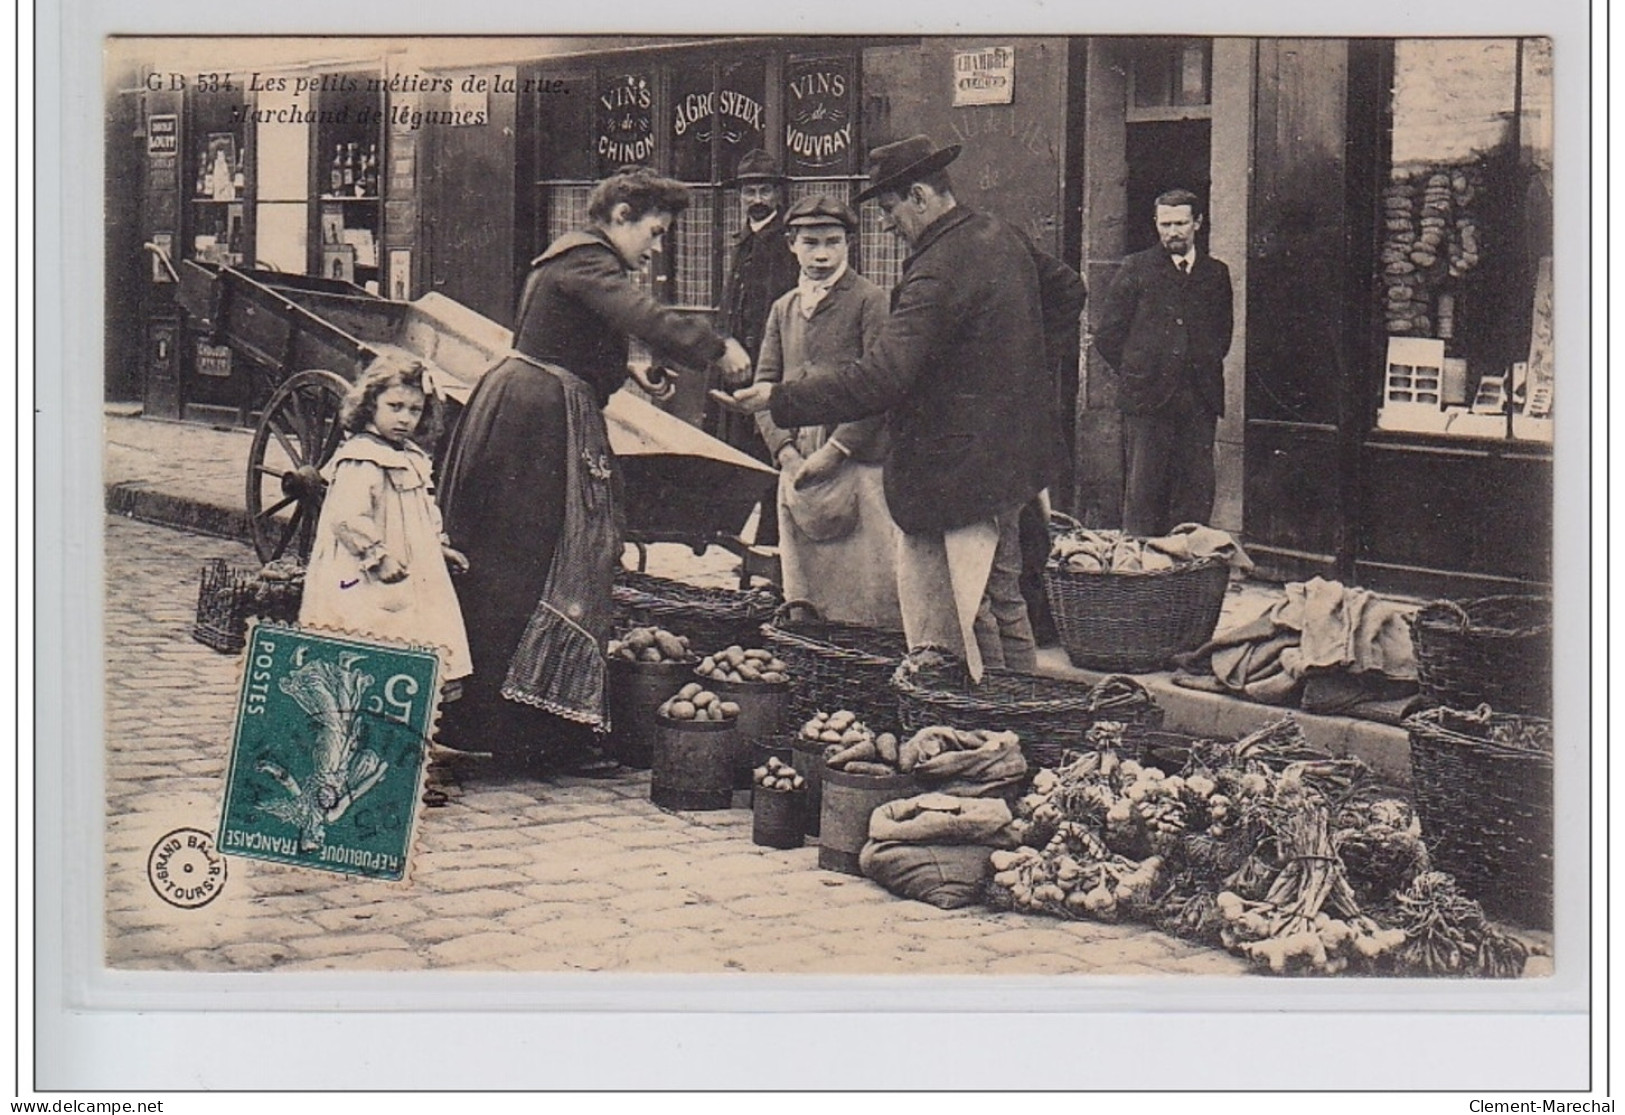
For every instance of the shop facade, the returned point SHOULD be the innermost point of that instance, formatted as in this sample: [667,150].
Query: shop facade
[1383,205]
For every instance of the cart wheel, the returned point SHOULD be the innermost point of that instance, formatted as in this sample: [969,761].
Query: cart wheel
[298,432]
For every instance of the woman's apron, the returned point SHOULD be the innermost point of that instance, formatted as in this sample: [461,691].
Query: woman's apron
[559,664]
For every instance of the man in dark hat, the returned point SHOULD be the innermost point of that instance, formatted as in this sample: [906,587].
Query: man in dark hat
[759,271]
[961,366]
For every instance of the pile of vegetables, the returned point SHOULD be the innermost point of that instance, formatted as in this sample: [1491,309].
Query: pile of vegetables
[1446,933]
[651,644]
[741,665]
[693,702]
[850,745]
[1296,861]
[778,775]
[1106,551]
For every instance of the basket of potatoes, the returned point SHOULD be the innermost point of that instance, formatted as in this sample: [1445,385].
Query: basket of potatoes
[759,684]
[778,803]
[857,774]
[646,666]
[695,748]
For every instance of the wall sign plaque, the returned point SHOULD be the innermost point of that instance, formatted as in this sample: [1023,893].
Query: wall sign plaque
[818,115]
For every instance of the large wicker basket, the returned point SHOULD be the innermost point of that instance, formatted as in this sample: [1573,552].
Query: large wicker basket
[1136,622]
[227,595]
[712,618]
[1495,650]
[1482,783]
[837,665]
[1050,715]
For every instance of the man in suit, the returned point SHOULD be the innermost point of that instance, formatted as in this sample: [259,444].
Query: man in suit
[760,269]
[1165,327]
[960,366]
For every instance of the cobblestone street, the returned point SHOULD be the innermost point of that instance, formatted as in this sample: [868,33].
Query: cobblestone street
[565,875]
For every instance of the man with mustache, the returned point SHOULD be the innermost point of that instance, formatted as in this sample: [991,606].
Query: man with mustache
[1165,327]
[759,271]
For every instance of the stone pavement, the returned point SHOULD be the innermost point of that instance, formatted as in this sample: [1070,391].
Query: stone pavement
[567,875]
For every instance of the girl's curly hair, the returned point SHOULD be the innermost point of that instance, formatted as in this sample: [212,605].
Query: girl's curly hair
[361,400]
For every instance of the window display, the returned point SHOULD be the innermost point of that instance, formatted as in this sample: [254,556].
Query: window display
[1465,240]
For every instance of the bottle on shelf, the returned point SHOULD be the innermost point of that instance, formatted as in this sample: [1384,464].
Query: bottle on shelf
[335,177]
[239,178]
[200,186]
[348,186]
[220,177]
[370,181]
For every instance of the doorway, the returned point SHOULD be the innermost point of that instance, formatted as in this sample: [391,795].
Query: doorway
[1165,155]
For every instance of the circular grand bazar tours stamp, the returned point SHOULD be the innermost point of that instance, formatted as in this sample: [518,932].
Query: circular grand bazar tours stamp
[186,869]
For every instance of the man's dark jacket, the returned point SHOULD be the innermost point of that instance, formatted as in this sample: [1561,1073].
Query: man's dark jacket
[1159,327]
[761,268]
[960,364]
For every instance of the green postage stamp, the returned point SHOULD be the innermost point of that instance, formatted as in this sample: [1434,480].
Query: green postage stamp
[328,752]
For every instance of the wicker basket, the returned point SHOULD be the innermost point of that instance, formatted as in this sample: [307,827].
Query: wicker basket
[1486,807]
[1495,650]
[712,618]
[1135,622]
[1051,716]
[837,666]
[227,595]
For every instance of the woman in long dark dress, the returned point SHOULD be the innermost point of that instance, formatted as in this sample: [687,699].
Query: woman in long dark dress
[531,488]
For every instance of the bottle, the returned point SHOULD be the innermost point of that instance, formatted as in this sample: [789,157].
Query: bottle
[220,177]
[239,179]
[335,177]
[372,170]
[200,187]
[349,168]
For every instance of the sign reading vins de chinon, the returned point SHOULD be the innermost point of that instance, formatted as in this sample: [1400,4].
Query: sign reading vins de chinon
[818,111]
[626,131]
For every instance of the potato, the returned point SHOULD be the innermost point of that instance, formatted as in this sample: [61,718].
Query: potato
[703,698]
[669,646]
[730,709]
[687,692]
[682,710]
[842,720]
[829,735]
[640,638]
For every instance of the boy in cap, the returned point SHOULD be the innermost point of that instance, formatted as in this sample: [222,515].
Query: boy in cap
[961,365]
[837,541]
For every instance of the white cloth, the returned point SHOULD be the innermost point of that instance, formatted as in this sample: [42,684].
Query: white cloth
[851,579]
[1186,261]
[810,292]
[380,501]
[940,582]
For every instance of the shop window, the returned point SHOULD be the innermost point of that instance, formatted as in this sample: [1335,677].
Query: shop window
[694,118]
[1465,244]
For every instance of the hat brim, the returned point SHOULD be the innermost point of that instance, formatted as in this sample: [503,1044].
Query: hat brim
[819,222]
[776,179]
[932,162]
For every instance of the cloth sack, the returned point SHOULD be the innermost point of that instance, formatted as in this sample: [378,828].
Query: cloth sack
[937,818]
[1271,646]
[968,764]
[824,511]
[947,876]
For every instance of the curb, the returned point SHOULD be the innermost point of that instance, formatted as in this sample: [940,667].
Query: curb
[137,501]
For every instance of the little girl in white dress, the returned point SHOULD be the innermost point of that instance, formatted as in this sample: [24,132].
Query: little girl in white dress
[379,563]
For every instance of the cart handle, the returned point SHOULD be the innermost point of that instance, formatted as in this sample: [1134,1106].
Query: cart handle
[163,257]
